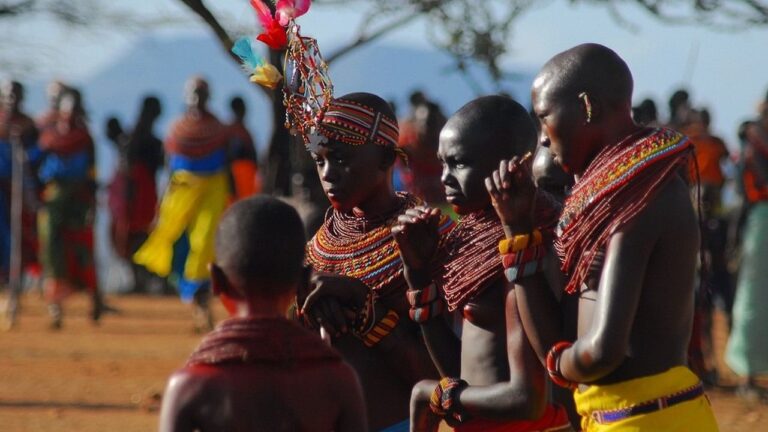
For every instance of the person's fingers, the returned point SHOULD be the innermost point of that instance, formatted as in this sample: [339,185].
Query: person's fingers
[505,178]
[329,318]
[338,317]
[497,180]
[491,188]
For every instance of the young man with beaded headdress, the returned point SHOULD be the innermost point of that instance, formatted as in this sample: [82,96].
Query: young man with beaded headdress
[356,295]
[492,380]
[358,289]
[628,241]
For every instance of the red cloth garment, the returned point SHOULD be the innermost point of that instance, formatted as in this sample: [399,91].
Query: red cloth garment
[554,419]
[196,136]
[261,340]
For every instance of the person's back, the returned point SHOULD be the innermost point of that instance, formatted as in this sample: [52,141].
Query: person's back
[258,371]
[305,391]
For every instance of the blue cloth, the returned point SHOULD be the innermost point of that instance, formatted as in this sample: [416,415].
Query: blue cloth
[56,167]
[210,164]
[188,288]
[403,426]
[6,157]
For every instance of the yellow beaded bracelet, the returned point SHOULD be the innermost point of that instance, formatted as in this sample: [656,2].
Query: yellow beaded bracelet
[520,242]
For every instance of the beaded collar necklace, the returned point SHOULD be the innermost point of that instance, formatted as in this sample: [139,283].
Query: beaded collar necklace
[363,247]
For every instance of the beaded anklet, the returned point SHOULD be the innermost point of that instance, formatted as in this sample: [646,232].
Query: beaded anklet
[444,401]
[425,303]
[553,365]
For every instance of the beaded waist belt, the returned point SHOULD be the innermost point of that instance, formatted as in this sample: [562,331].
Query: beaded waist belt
[610,416]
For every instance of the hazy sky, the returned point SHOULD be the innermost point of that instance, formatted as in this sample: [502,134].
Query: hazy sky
[723,71]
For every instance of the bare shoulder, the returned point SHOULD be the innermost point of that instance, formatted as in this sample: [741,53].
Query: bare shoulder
[670,211]
[188,388]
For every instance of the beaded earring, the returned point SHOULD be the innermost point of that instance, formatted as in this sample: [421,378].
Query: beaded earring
[588,105]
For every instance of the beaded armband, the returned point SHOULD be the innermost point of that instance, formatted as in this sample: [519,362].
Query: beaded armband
[382,328]
[444,401]
[520,242]
[425,303]
[524,255]
[553,365]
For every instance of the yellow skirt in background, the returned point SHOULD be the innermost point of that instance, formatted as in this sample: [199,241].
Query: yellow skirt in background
[192,203]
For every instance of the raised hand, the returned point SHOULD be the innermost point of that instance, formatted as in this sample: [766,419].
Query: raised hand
[512,193]
[417,236]
[332,302]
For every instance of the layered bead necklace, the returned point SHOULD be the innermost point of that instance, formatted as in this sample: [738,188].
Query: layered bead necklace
[362,247]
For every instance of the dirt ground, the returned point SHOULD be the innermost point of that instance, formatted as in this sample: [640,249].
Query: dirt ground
[87,378]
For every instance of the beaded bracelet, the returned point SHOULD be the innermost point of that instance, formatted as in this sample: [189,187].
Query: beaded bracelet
[529,254]
[553,365]
[381,329]
[422,297]
[426,312]
[515,273]
[520,242]
[365,318]
[444,401]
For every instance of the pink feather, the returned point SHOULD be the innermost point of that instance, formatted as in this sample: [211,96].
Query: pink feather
[263,13]
[291,9]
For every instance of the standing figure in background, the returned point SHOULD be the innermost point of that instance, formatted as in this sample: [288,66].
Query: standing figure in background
[65,221]
[679,109]
[13,120]
[243,162]
[710,152]
[133,191]
[194,200]
[747,352]
[419,136]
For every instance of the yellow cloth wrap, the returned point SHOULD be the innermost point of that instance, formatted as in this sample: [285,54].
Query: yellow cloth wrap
[192,203]
[693,415]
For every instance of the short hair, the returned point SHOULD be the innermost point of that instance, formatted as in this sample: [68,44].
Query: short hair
[499,120]
[261,239]
[595,69]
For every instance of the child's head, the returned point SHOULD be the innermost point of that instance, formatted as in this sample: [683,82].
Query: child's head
[474,141]
[355,161]
[259,251]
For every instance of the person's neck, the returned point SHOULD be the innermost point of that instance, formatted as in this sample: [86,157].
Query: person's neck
[615,131]
[382,203]
[196,111]
[263,308]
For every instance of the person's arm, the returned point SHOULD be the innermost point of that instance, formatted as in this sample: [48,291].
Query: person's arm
[513,195]
[523,396]
[330,304]
[176,413]
[353,416]
[603,348]
[417,237]
[443,345]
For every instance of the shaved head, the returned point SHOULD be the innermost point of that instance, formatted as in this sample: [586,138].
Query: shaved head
[591,68]
[261,239]
[496,122]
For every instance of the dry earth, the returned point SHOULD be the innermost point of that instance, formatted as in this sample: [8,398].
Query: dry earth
[110,378]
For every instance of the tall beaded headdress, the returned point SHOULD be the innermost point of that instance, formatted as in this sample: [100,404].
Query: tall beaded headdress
[312,112]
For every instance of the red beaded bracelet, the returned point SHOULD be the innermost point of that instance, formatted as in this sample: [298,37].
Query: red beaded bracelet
[553,365]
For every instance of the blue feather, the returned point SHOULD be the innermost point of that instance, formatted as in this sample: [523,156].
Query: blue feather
[243,48]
